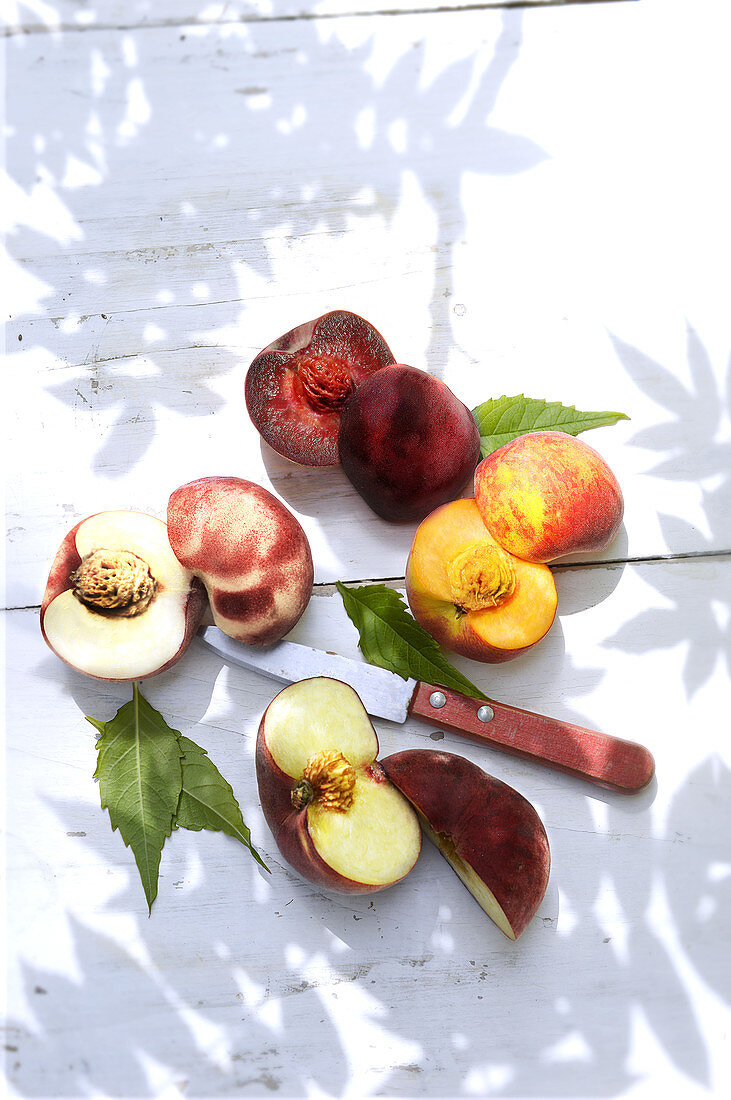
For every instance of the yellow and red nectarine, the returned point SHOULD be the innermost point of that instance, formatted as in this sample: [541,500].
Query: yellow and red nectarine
[547,494]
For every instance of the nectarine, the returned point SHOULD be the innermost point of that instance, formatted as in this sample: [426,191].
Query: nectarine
[250,552]
[297,386]
[547,494]
[407,443]
[333,813]
[118,605]
[472,596]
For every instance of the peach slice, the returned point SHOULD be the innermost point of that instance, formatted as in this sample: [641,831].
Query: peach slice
[471,595]
[489,833]
[547,494]
[296,387]
[250,552]
[406,443]
[118,604]
[336,818]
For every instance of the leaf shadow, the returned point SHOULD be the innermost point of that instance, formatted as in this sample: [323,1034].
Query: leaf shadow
[183,257]
[695,411]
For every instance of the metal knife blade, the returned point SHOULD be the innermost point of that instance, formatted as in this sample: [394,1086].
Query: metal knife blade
[383,693]
[605,761]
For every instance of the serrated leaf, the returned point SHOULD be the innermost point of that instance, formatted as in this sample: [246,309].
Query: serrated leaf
[140,777]
[391,638]
[504,418]
[207,801]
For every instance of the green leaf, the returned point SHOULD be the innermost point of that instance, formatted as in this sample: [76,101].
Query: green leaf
[504,418]
[140,777]
[391,638]
[207,800]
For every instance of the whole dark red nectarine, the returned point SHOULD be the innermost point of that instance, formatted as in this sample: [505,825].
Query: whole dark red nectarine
[407,443]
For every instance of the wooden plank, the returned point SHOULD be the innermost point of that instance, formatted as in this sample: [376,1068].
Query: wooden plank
[478,185]
[250,982]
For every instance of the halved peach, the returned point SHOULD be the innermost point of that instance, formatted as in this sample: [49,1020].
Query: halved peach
[250,552]
[472,596]
[335,816]
[297,387]
[118,604]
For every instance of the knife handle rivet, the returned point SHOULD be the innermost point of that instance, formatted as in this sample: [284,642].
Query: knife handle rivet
[437,699]
[485,714]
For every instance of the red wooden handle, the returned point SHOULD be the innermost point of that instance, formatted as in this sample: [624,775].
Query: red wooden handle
[605,761]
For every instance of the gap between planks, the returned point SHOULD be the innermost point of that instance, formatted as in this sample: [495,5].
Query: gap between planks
[329,589]
[11,31]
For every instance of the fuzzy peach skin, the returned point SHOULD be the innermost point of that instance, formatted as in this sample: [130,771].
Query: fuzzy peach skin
[249,551]
[104,643]
[547,494]
[454,595]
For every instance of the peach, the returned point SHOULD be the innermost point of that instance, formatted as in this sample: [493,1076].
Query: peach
[118,605]
[489,833]
[249,551]
[296,387]
[472,596]
[406,443]
[547,494]
[333,813]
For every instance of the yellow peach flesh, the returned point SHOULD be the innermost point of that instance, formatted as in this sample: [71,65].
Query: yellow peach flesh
[518,619]
[379,827]
[297,730]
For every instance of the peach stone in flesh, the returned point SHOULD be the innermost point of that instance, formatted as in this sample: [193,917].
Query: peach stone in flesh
[472,596]
[334,815]
[118,604]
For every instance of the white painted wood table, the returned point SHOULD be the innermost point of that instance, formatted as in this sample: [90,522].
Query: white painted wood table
[521,199]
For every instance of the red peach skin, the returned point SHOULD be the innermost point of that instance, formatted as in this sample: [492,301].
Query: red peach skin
[249,550]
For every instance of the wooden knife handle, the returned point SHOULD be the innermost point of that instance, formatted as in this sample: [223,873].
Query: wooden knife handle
[605,761]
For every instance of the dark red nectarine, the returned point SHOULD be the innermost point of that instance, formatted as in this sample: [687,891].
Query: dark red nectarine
[489,833]
[407,443]
[296,387]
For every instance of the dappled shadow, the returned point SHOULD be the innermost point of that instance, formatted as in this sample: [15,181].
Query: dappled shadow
[216,1007]
[695,411]
[261,983]
[283,155]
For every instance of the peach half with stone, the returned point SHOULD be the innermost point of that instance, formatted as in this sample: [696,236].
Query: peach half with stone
[334,814]
[471,595]
[118,604]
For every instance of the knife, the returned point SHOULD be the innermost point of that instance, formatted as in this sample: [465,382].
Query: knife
[605,761]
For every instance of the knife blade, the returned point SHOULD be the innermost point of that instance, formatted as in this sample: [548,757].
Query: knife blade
[605,761]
